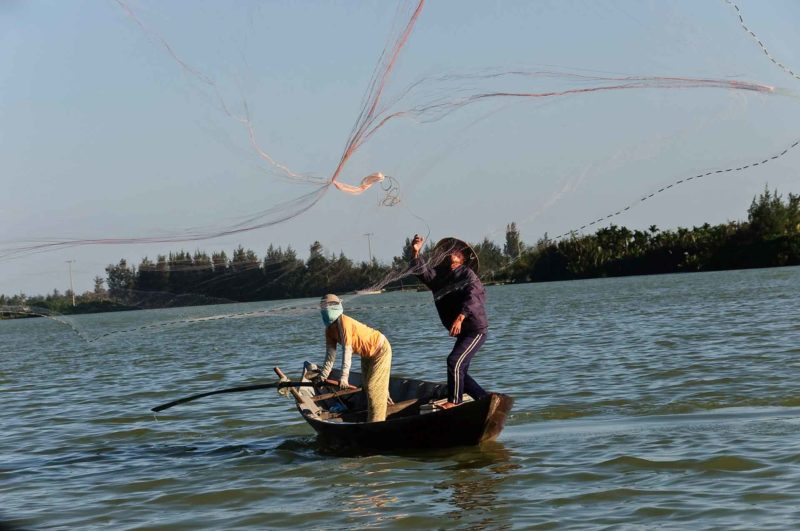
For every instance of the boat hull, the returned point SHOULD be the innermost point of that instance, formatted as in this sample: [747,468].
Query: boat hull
[413,422]
[469,424]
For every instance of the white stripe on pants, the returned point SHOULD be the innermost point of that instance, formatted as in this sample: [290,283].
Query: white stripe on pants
[457,391]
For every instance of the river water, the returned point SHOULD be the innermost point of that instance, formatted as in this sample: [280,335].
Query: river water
[645,402]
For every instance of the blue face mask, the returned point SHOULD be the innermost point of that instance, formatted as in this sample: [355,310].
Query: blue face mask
[331,313]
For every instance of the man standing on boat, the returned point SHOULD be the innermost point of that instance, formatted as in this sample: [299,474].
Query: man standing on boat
[370,344]
[460,300]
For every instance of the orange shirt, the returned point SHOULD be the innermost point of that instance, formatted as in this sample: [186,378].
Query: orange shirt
[346,331]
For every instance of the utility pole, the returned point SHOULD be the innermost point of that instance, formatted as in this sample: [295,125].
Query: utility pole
[369,243]
[71,289]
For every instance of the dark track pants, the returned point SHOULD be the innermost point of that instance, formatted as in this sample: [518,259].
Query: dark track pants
[458,381]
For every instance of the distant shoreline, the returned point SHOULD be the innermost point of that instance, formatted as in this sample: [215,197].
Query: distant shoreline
[769,238]
[85,309]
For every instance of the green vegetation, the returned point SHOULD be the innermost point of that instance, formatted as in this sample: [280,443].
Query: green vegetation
[770,237]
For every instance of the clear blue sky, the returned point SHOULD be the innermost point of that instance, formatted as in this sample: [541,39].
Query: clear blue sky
[103,135]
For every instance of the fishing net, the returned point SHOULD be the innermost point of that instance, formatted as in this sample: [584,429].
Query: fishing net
[247,133]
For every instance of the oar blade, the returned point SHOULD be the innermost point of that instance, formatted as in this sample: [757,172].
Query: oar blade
[240,389]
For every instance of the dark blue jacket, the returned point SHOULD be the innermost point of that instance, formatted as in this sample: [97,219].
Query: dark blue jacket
[454,292]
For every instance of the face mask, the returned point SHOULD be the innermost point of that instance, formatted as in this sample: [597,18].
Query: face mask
[331,313]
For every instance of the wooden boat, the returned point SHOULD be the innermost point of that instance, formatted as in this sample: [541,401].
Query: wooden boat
[412,421]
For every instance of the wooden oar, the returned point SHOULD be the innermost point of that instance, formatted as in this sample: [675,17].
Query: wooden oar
[255,387]
[336,394]
[317,398]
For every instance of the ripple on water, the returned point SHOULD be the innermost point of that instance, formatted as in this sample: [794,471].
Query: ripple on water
[648,511]
[612,495]
[236,450]
[765,496]
[723,463]
[140,433]
[146,485]
[217,496]
[617,422]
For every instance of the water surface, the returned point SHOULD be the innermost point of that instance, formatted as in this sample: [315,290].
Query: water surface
[665,401]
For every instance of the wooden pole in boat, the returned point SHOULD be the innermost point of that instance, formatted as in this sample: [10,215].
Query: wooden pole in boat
[326,396]
[295,392]
[336,394]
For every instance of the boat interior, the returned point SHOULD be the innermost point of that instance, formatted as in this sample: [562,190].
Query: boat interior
[408,397]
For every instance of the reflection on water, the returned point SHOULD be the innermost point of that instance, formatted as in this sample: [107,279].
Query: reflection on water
[370,506]
[476,497]
[492,454]
[474,482]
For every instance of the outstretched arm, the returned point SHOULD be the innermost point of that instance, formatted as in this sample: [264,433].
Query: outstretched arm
[330,358]
[416,245]
[418,266]
[347,357]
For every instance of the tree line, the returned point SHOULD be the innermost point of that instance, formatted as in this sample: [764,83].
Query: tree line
[770,237]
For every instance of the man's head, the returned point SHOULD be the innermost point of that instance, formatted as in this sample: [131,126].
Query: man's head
[450,253]
[456,258]
[330,308]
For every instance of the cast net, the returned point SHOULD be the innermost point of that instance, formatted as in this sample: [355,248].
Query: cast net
[539,124]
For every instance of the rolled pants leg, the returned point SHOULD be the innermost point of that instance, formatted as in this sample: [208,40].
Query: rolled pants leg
[458,381]
[376,371]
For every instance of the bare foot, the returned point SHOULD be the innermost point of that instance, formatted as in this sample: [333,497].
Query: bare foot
[448,405]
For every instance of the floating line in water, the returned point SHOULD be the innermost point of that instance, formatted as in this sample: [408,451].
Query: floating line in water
[761,44]
[280,311]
